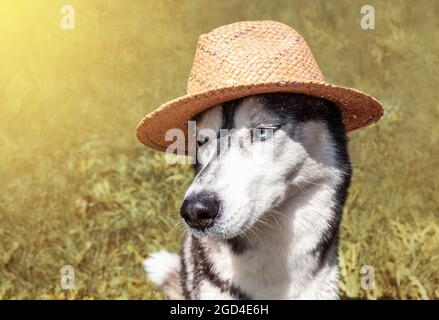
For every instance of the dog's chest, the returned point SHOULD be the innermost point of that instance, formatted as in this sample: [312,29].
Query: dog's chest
[259,273]
[264,272]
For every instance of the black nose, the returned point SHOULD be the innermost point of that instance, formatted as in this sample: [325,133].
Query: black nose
[200,211]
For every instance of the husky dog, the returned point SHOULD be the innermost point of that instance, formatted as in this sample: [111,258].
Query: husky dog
[265,205]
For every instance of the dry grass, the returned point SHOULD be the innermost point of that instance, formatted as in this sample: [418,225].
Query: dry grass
[76,187]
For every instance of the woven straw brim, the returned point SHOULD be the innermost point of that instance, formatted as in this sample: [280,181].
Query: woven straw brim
[358,109]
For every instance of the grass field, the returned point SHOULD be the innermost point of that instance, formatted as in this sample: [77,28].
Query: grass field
[77,188]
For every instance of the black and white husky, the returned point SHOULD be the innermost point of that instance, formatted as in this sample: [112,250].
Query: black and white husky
[265,206]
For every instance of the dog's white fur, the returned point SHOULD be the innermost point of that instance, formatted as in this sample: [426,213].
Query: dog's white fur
[279,197]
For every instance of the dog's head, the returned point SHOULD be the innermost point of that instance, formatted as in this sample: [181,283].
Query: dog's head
[255,153]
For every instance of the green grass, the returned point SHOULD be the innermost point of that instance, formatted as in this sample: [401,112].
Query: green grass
[77,188]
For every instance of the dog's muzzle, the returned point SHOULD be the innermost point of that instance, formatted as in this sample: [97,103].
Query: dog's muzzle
[199,211]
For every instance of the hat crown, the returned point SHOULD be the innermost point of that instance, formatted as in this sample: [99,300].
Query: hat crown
[251,52]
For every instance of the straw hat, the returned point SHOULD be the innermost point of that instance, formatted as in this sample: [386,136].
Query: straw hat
[246,58]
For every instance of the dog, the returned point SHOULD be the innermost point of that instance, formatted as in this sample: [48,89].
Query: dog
[264,209]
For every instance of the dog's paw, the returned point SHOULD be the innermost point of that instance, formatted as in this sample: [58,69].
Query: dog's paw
[161,265]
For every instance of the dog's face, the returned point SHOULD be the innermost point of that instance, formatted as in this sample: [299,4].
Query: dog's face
[256,152]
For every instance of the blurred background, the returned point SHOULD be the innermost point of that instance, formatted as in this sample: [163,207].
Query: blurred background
[77,188]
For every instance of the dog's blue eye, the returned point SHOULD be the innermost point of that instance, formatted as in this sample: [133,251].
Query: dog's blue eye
[264,133]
